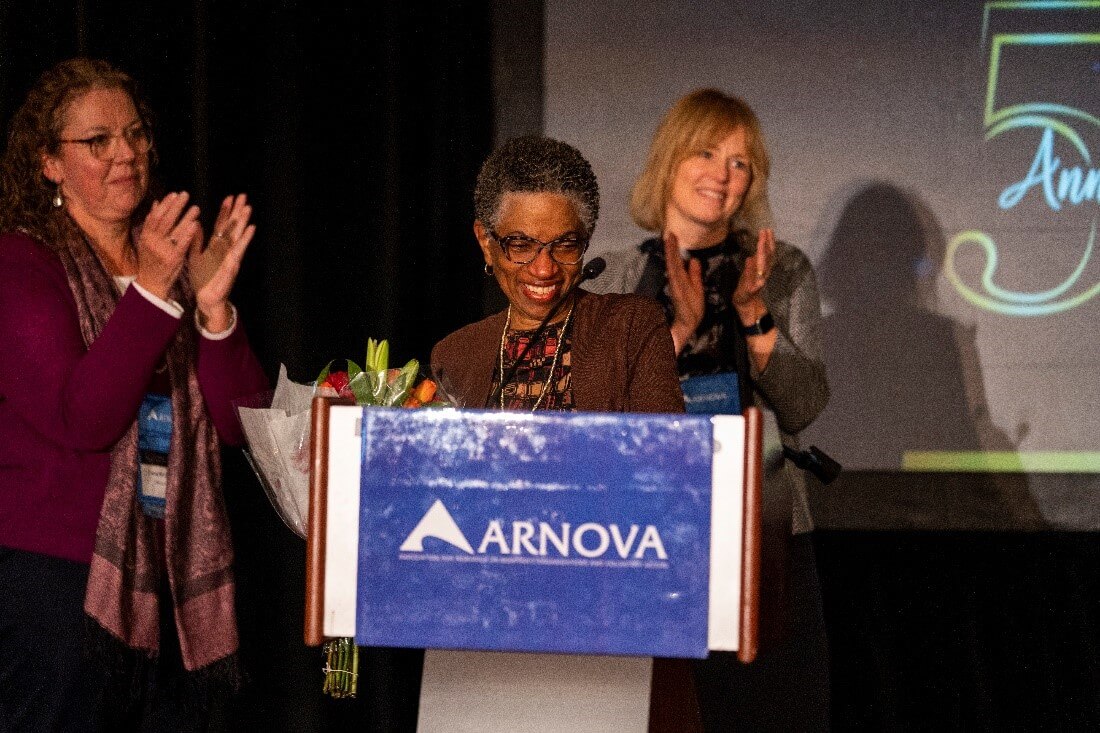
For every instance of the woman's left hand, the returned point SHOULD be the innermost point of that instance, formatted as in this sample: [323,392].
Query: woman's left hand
[747,298]
[214,268]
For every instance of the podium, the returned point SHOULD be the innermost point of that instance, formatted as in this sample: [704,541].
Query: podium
[542,560]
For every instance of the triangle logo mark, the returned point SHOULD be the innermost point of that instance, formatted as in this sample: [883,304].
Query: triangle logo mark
[437,522]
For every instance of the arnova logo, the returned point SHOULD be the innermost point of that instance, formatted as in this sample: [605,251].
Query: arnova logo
[437,522]
[589,540]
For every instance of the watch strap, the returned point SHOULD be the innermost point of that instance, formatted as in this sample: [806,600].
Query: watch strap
[763,325]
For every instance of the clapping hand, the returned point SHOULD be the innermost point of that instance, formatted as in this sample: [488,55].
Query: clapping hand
[747,297]
[685,291]
[214,268]
[163,243]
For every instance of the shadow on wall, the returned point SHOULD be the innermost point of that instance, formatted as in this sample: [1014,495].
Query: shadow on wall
[902,376]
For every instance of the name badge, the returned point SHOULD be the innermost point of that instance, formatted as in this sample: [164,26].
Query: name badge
[713,394]
[154,439]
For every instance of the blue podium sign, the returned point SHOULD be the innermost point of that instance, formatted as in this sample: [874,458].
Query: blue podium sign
[573,533]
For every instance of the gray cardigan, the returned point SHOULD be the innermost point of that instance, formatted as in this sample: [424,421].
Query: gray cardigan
[793,390]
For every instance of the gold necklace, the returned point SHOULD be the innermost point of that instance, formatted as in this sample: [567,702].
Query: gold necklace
[553,366]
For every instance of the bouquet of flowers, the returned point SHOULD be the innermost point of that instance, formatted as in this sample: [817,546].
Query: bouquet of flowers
[378,385]
[278,434]
[278,450]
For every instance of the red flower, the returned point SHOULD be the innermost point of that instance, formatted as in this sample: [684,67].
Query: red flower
[337,380]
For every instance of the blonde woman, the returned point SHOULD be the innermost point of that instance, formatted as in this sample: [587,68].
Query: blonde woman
[745,319]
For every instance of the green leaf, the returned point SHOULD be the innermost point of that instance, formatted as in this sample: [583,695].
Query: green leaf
[324,374]
[382,356]
[398,389]
[372,347]
[363,388]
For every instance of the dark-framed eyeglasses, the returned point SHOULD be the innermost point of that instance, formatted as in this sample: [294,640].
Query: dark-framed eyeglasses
[522,250]
[104,146]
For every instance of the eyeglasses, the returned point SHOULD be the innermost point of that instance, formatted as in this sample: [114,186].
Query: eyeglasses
[522,250]
[103,146]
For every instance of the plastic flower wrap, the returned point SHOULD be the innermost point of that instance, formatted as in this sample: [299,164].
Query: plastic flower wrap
[278,434]
[278,450]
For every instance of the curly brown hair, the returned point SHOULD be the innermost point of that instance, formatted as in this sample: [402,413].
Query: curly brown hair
[25,193]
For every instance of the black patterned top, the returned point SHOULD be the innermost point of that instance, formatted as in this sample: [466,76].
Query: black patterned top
[716,346]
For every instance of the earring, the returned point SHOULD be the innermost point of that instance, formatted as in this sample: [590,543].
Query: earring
[58,200]
[488,269]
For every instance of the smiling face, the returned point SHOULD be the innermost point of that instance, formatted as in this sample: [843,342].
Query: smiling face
[532,289]
[99,192]
[708,188]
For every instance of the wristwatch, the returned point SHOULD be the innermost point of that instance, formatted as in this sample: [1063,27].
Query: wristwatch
[763,324]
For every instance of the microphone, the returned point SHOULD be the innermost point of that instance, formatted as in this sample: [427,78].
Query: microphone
[591,271]
[816,461]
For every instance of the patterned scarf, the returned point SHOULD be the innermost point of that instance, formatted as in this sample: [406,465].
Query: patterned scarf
[125,574]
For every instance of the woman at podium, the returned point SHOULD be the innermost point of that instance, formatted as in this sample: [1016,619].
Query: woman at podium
[556,346]
[743,311]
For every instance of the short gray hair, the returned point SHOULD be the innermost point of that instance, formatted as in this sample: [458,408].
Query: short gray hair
[535,164]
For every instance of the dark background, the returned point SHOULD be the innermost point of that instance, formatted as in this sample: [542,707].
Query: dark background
[357,133]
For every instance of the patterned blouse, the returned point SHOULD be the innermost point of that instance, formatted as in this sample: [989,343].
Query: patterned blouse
[530,379]
[716,345]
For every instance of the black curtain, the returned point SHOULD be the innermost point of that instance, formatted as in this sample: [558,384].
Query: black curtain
[356,129]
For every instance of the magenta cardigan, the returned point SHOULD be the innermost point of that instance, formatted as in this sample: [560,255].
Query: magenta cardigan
[64,406]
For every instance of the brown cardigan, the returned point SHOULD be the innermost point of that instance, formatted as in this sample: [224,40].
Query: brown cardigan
[622,357]
[622,360]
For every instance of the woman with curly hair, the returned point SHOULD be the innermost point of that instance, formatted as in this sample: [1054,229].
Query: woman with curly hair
[536,202]
[120,358]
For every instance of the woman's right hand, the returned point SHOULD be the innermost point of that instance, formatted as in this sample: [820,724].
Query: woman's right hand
[165,239]
[685,291]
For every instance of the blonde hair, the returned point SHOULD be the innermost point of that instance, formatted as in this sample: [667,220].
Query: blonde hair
[697,121]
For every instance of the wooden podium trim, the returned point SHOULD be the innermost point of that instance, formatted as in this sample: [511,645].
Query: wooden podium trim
[316,525]
[753,536]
